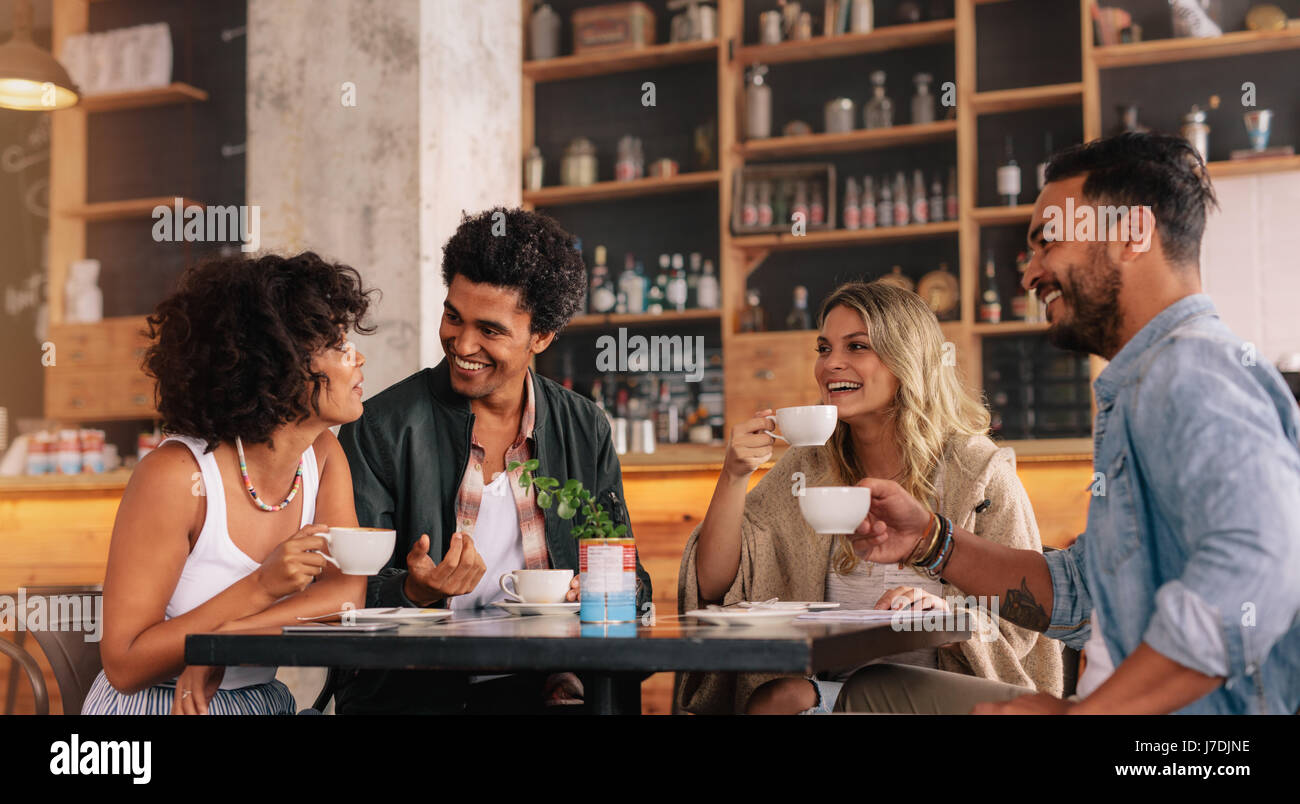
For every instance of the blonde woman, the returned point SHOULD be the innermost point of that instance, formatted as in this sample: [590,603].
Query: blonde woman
[903,415]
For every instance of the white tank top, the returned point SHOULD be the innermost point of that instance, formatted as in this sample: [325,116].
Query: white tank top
[215,562]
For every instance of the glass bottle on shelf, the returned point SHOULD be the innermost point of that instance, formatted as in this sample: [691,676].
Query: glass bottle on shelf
[867,206]
[950,196]
[798,317]
[693,279]
[782,197]
[602,297]
[631,285]
[852,212]
[765,204]
[654,295]
[753,318]
[922,101]
[817,206]
[749,207]
[800,203]
[902,208]
[990,311]
[1009,178]
[668,417]
[709,294]
[758,104]
[885,206]
[675,294]
[879,111]
[920,204]
[936,200]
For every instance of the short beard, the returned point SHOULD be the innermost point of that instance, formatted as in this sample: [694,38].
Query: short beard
[1093,301]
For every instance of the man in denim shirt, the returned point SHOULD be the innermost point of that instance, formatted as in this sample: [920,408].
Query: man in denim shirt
[1185,587]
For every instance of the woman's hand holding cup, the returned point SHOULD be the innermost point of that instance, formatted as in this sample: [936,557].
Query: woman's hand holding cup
[894,526]
[750,446]
[294,563]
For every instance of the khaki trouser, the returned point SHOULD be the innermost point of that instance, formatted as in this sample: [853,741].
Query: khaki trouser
[904,689]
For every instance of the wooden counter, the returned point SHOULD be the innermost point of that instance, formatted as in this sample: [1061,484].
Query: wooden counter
[55,530]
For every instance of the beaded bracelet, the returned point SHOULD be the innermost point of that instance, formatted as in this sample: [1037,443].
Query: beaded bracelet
[935,568]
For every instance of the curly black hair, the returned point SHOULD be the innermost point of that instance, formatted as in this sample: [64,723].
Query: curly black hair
[231,349]
[527,251]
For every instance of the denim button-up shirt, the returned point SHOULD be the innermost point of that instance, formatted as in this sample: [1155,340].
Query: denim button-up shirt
[1193,537]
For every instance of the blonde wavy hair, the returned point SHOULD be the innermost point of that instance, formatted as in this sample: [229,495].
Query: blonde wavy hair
[931,404]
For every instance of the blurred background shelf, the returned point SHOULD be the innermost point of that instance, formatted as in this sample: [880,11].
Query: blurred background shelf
[892,37]
[849,141]
[1164,51]
[1040,97]
[597,320]
[564,68]
[610,190]
[782,241]
[143,98]
[129,208]
[998,216]
[1248,167]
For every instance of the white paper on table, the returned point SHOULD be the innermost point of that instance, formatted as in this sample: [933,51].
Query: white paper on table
[856,615]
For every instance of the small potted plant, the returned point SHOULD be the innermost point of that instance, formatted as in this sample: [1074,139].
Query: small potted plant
[606,555]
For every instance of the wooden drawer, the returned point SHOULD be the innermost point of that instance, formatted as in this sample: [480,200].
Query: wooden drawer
[769,370]
[130,395]
[76,394]
[128,338]
[79,345]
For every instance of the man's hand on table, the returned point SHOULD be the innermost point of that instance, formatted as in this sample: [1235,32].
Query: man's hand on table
[575,591]
[459,572]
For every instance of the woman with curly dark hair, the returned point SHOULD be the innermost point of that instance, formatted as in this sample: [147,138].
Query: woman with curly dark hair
[220,526]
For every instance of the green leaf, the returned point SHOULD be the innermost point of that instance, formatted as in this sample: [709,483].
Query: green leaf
[525,481]
[513,465]
[585,495]
[532,465]
[565,509]
[572,484]
[544,499]
[620,530]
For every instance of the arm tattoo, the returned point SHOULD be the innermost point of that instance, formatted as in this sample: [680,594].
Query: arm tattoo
[1021,608]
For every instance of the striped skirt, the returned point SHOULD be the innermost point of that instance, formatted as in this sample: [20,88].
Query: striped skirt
[271,698]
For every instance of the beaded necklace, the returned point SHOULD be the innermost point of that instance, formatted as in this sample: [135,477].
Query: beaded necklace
[248,484]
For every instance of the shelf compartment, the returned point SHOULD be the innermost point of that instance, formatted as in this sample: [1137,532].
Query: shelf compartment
[603,320]
[564,68]
[997,216]
[849,141]
[609,190]
[1165,51]
[143,98]
[843,237]
[1250,167]
[892,37]
[1020,98]
[131,208]
[1009,328]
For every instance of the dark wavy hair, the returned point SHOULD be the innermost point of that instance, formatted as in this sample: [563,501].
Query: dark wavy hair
[526,251]
[1160,171]
[231,349]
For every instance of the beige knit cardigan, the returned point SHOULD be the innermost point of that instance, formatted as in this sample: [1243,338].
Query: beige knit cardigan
[781,557]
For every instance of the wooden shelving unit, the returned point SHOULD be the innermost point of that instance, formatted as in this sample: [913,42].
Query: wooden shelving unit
[1039,97]
[1165,51]
[1251,167]
[129,208]
[997,216]
[891,37]
[843,237]
[1008,328]
[613,320]
[565,68]
[611,190]
[143,98]
[847,142]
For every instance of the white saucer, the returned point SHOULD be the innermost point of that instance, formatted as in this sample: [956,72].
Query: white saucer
[525,609]
[739,616]
[400,615]
[784,605]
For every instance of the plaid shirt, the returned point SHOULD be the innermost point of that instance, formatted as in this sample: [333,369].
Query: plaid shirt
[532,523]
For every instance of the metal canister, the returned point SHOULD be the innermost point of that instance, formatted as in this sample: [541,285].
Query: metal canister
[1195,131]
[543,33]
[758,104]
[534,169]
[769,27]
[578,168]
[840,113]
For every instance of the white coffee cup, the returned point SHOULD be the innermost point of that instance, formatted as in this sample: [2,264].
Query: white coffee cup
[538,586]
[806,425]
[835,509]
[360,551]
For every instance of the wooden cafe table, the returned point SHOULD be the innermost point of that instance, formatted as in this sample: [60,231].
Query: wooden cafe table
[612,659]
